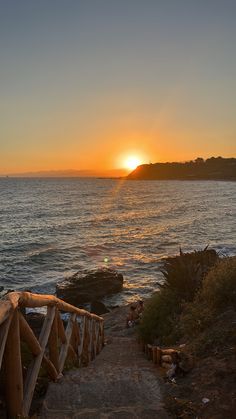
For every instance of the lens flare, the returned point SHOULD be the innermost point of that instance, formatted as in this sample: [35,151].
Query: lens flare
[132,162]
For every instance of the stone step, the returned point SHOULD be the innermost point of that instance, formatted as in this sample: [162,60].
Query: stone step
[119,383]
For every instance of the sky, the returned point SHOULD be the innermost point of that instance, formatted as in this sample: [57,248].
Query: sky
[86,84]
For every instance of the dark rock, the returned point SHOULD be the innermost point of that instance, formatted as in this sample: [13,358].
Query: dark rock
[90,286]
[97,307]
[35,321]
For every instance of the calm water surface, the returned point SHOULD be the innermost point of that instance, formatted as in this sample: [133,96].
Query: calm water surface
[51,228]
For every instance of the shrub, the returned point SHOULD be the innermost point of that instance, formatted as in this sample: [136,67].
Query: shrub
[160,318]
[184,273]
[208,319]
[219,288]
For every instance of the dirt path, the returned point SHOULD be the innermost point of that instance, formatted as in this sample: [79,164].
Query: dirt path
[119,383]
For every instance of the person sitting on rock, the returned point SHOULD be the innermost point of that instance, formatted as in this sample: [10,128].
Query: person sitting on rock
[132,317]
[140,308]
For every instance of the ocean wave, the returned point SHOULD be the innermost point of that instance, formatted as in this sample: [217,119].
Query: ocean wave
[89,224]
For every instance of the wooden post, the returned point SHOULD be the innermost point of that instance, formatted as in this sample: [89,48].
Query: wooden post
[96,349]
[52,372]
[75,338]
[28,336]
[61,330]
[64,347]
[34,368]
[81,344]
[53,344]
[90,339]
[154,354]
[4,328]
[13,368]
[86,341]
[159,354]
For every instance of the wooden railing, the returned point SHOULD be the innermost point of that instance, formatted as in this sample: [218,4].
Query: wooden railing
[81,340]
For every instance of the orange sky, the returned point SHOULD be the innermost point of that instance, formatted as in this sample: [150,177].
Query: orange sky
[84,87]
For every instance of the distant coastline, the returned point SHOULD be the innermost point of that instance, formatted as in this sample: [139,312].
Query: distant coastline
[214,168]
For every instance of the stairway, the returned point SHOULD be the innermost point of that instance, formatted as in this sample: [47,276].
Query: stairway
[119,383]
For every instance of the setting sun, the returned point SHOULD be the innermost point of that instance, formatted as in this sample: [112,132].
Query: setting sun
[131,162]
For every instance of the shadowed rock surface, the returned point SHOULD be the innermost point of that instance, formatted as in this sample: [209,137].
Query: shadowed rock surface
[89,286]
[98,308]
[119,383]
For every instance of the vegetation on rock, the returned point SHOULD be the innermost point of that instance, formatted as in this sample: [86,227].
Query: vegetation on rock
[184,275]
[204,320]
[214,168]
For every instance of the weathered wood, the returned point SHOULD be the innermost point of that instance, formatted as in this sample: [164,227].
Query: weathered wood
[61,330]
[13,367]
[159,354]
[96,351]
[75,338]
[154,354]
[64,347]
[52,372]
[81,342]
[90,339]
[28,299]
[85,353]
[4,328]
[6,309]
[33,370]
[71,353]
[53,344]
[28,336]
[82,333]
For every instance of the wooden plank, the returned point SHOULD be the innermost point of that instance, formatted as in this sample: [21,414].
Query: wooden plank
[154,354]
[52,372]
[14,379]
[6,309]
[90,339]
[96,339]
[34,368]
[159,354]
[82,334]
[64,347]
[4,328]
[28,336]
[84,354]
[28,299]
[61,330]
[53,344]
[71,353]
[100,337]
[75,338]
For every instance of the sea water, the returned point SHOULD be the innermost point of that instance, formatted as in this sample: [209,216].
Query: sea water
[52,228]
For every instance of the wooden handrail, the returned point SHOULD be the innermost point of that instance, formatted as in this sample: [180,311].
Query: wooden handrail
[82,340]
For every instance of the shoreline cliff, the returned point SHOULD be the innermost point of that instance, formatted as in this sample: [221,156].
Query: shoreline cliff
[214,168]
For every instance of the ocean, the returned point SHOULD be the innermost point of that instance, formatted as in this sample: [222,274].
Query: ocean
[52,228]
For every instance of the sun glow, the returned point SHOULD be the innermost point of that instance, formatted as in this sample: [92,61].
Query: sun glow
[132,162]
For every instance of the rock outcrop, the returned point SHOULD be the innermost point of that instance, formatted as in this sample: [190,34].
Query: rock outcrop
[89,286]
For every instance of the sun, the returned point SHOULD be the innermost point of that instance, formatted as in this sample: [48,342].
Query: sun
[131,162]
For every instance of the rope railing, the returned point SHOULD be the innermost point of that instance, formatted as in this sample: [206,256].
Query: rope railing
[81,341]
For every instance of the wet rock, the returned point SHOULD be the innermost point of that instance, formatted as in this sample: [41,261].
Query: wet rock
[89,286]
[98,308]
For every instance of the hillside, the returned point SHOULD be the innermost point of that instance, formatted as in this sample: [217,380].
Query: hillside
[214,168]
